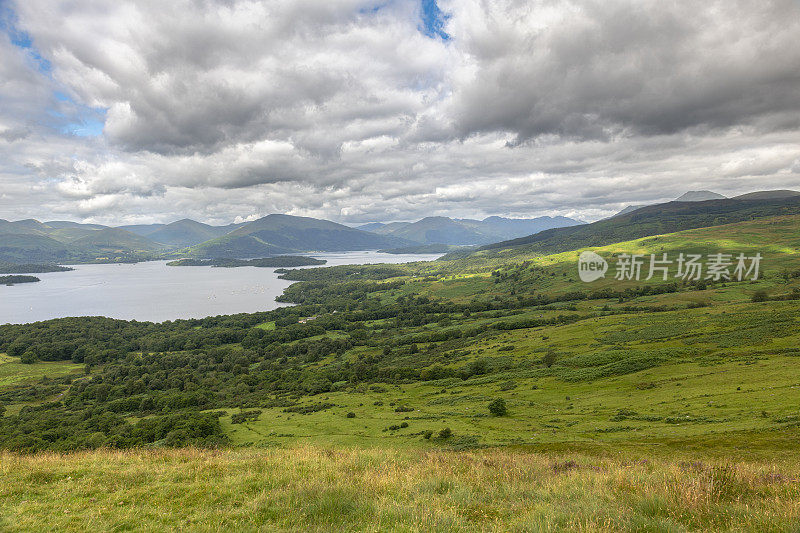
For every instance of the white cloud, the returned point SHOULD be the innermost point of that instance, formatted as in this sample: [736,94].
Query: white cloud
[234,108]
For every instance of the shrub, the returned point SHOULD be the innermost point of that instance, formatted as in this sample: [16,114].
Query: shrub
[498,407]
[760,296]
[427,434]
[244,416]
[446,433]
[351,415]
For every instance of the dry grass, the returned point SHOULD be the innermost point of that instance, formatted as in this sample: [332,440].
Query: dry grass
[315,489]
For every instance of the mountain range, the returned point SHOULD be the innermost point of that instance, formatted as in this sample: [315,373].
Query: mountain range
[464,231]
[32,241]
[64,241]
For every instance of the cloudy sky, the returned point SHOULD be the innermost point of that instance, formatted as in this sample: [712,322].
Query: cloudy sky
[117,111]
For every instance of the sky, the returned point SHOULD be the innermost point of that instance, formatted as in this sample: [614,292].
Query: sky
[122,112]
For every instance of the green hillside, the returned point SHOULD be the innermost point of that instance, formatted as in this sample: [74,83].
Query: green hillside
[187,232]
[27,248]
[651,220]
[31,241]
[114,240]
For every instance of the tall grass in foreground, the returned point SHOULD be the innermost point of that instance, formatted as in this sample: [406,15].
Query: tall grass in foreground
[314,489]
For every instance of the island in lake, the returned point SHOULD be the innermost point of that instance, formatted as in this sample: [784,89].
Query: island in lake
[279,261]
[31,268]
[13,280]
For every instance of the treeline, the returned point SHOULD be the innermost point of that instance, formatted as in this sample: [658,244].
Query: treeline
[31,268]
[11,280]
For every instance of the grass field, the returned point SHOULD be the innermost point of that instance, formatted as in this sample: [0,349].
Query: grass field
[323,489]
[12,372]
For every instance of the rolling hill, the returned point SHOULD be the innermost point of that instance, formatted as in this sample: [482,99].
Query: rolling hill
[114,240]
[651,220]
[186,232]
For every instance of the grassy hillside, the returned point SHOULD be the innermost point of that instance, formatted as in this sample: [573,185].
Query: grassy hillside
[27,248]
[113,240]
[651,220]
[187,232]
[31,241]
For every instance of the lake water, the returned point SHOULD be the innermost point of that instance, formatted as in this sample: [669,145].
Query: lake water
[154,292]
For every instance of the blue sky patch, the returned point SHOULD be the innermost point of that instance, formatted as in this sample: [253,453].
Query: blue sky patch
[433,20]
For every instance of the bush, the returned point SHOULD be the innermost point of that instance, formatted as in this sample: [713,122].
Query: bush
[28,358]
[446,433]
[245,416]
[498,407]
[351,415]
[760,296]
[427,434]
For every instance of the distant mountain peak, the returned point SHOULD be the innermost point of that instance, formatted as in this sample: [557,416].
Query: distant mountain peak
[699,196]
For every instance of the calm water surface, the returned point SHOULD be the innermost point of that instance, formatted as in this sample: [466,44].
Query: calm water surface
[155,292]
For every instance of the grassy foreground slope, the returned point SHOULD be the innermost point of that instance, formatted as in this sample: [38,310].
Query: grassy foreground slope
[314,489]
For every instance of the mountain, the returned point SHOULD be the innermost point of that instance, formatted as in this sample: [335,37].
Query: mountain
[142,230]
[646,221]
[372,226]
[689,196]
[188,232]
[509,228]
[278,234]
[628,209]
[386,229]
[443,230]
[699,196]
[66,224]
[23,227]
[33,248]
[767,195]
[115,240]
[461,232]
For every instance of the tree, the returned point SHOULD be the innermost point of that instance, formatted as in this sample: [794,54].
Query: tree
[498,407]
[549,358]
